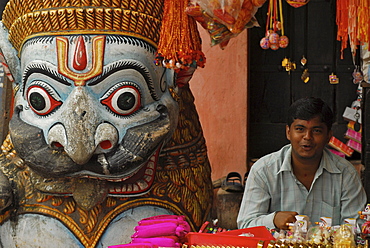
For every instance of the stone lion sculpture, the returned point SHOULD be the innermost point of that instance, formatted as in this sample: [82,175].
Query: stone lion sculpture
[100,136]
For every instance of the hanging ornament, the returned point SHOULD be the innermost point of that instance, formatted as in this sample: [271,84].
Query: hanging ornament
[297,3]
[353,26]
[357,116]
[283,41]
[268,32]
[303,61]
[274,26]
[357,75]
[333,79]
[288,65]
[265,43]
[274,46]
[305,76]
[291,66]
[180,45]
[284,62]
[274,38]
[277,25]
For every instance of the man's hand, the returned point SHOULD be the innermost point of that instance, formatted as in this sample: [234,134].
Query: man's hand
[283,217]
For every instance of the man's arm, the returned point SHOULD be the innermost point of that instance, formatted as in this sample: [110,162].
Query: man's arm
[254,209]
[353,197]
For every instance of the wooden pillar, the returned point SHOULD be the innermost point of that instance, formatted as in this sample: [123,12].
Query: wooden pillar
[6,99]
[365,110]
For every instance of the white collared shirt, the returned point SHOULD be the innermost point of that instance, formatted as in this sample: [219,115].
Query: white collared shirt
[336,191]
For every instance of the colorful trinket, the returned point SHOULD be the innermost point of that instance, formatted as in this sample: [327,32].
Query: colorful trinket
[357,76]
[305,76]
[303,61]
[275,27]
[274,38]
[274,46]
[283,41]
[297,3]
[333,79]
[265,43]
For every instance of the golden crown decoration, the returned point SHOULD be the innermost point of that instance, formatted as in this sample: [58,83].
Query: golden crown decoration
[162,22]
[28,18]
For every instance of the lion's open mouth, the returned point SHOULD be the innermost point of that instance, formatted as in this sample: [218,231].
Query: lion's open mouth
[136,183]
[139,183]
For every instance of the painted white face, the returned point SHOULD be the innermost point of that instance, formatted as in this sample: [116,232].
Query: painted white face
[92,105]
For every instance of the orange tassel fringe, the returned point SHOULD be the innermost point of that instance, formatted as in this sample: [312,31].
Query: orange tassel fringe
[180,44]
[353,23]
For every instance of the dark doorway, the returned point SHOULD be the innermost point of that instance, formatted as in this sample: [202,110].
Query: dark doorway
[2,6]
[312,33]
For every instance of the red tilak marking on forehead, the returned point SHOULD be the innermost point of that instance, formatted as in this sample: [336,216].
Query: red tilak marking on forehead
[97,58]
[80,56]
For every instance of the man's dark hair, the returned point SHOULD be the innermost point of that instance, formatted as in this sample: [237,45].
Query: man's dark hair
[308,108]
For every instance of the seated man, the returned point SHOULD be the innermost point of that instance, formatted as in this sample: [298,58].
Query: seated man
[303,177]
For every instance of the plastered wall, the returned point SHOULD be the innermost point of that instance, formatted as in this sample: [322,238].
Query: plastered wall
[220,91]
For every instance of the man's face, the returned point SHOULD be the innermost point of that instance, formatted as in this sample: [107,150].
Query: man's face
[308,138]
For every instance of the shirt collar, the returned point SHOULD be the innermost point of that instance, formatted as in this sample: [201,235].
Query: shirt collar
[326,162]
[287,158]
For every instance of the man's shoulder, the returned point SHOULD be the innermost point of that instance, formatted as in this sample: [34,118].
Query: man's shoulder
[274,159]
[338,162]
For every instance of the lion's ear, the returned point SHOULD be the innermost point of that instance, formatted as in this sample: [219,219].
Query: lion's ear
[9,55]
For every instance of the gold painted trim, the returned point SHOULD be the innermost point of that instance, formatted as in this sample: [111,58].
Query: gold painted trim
[27,18]
[106,220]
[90,32]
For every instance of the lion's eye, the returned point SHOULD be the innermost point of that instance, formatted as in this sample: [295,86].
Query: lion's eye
[41,101]
[124,100]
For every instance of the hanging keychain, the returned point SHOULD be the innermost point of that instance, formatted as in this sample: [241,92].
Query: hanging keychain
[284,40]
[357,75]
[265,43]
[357,116]
[274,25]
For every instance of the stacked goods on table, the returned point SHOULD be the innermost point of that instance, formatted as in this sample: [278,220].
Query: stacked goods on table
[301,234]
[249,237]
[173,231]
